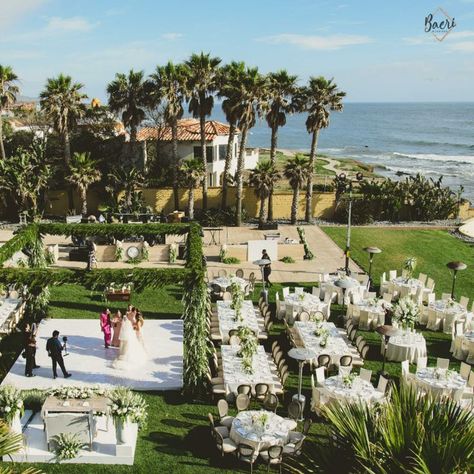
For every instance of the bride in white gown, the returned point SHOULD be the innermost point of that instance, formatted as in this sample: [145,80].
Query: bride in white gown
[132,351]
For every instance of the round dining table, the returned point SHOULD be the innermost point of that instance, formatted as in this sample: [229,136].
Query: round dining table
[445,308]
[406,346]
[261,429]
[439,381]
[225,282]
[359,390]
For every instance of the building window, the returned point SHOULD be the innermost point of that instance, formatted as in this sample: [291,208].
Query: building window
[209,153]
[222,152]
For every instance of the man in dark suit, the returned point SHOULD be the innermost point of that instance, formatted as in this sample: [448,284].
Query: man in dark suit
[55,349]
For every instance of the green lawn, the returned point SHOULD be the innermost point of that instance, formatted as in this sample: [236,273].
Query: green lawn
[432,248]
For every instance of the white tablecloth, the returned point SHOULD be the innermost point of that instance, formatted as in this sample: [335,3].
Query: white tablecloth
[376,310]
[408,346]
[357,288]
[336,346]
[361,390]
[438,381]
[225,282]
[8,306]
[411,283]
[247,428]
[305,302]
[227,321]
[444,308]
[234,374]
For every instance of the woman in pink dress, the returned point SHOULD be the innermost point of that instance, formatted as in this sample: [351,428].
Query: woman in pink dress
[117,325]
[106,326]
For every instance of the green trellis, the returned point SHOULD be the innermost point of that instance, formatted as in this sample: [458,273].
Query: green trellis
[195,299]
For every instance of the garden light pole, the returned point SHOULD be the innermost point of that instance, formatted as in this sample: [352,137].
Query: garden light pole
[371,251]
[455,267]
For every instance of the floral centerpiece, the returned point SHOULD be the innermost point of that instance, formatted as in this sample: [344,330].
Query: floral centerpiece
[317,318]
[443,374]
[77,393]
[323,335]
[406,312]
[451,303]
[260,421]
[248,348]
[409,266]
[11,406]
[348,380]
[237,299]
[127,407]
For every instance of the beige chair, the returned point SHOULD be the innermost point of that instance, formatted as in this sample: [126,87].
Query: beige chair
[392,274]
[315,291]
[222,272]
[422,278]
[457,348]
[421,363]
[445,296]
[388,297]
[303,316]
[470,353]
[224,418]
[448,323]
[299,290]
[434,320]
[365,374]
[464,301]
[365,320]
[465,371]
[382,385]
[227,296]
[320,376]
[442,363]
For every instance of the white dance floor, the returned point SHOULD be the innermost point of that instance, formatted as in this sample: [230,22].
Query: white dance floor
[91,364]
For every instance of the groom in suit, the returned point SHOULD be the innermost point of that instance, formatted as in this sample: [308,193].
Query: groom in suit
[55,349]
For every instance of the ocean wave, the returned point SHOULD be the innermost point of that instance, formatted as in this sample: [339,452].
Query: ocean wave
[467,159]
[436,143]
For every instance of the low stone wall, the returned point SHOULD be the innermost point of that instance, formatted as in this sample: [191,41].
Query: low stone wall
[157,253]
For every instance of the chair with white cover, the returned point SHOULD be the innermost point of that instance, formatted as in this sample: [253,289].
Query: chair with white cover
[315,291]
[370,294]
[470,353]
[421,363]
[434,320]
[323,277]
[423,316]
[317,398]
[222,272]
[405,365]
[365,374]
[299,290]
[465,370]
[417,297]
[383,283]
[445,296]
[464,301]
[448,323]
[429,298]
[405,291]
[422,278]
[329,296]
[457,348]
[280,307]
[442,363]
[320,376]
[392,274]
[365,320]
[355,314]
[430,284]
[334,292]
[286,291]
[382,385]
[304,316]
[387,297]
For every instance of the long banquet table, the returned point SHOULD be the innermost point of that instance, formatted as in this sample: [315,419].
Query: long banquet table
[227,321]
[10,309]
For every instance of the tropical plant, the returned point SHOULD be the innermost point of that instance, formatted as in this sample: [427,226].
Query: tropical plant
[203,81]
[192,173]
[11,403]
[127,180]
[168,84]
[297,171]
[128,96]
[25,176]
[263,179]
[251,96]
[308,255]
[282,98]
[8,92]
[229,86]
[411,434]
[321,97]
[82,173]
[67,446]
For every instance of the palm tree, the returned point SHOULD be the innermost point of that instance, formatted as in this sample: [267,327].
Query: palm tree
[281,98]
[250,98]
[8,92]
[297,172]
[192,172]
[83,172]
[168,83]
[322,97]
[230,77]
[127,180]
[202,83]
[128,96]
[263,178]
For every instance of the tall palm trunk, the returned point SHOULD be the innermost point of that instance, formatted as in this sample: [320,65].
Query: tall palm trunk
[262,217]
[67,159]
[202,124]
[240,170]
[191,203]
[294,205]
[309,186]
[273,147]
[228,160]
[83,192]
[174,151]
[2,148]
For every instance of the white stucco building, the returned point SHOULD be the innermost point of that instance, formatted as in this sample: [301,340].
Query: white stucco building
[189,146]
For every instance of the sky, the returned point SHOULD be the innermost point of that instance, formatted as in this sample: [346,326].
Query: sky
[377,51]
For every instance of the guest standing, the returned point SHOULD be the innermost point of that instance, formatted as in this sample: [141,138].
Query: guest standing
[55,349]
[106,326]
[117,324]
[30,352]
[267,269]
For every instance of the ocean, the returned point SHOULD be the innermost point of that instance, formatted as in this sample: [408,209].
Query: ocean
[435,139]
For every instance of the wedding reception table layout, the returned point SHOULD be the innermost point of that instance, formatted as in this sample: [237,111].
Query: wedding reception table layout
[357,286]
[439,381]
[9,313]
[261,429]
[407,346]
[448,307]
[412,283]
[350,388]
[336,345]
[225,282]
[227,319]
[305,302]
[375,307]
[235,375]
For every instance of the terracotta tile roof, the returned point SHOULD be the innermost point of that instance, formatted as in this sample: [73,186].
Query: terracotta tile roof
[188,130]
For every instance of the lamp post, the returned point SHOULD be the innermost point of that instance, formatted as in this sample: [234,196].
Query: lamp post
[345,284]
[302,355]
[359,177]
[371,251]
[261,263]
[455,267]
[386,332]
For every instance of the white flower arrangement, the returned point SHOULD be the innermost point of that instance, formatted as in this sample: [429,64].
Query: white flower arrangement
[67,446]
[409,266]
[348,380]
[77,393]
[317,317]
[128,406]
[11,403]
[406,311]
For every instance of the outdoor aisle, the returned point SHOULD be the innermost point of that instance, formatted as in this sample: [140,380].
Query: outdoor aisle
[90,363]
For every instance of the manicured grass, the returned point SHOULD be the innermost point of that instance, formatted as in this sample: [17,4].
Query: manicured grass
[432,248]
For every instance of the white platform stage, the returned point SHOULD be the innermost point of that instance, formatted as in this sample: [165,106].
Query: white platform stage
[91,364]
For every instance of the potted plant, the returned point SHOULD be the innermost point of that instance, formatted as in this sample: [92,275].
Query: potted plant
[127,408]
[67,446]
[406,313]
[11,407]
